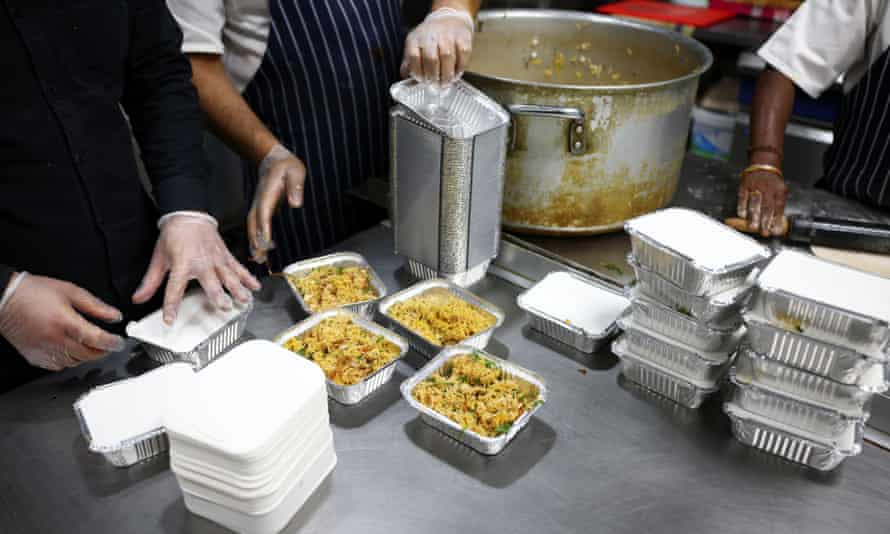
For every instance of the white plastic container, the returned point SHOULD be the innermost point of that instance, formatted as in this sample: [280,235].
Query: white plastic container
[266,493]
[260,472]
[712,133]
[274,518]
[246,403]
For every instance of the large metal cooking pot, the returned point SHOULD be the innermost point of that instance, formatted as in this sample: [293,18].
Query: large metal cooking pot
[600,111]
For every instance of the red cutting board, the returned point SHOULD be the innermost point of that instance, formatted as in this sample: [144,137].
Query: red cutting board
[699,17]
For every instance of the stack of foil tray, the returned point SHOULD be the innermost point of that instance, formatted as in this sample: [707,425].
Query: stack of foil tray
[815,352]
[684,325]
[448,151]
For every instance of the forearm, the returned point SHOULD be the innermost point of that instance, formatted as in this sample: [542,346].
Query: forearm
[470,6]
[163,108]
[770,113]
[227,112]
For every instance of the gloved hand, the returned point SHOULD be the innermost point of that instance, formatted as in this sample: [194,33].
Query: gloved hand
[762,197]
[190,248]
[439,49]
[280,173]
[40,319]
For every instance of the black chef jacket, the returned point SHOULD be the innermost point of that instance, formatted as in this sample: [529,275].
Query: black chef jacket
[71,203]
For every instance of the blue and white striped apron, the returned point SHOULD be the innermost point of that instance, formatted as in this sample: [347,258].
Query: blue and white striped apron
[323,90]
[857,165]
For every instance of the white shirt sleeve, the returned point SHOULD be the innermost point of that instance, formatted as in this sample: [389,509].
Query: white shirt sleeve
[202,23]
[821,41]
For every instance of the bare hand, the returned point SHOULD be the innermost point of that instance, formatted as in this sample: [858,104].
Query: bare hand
[42,320]
[281,173]
[439,49]
[190,248]
[762,197]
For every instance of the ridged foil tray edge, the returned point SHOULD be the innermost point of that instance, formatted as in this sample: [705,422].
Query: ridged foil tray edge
[858,398]
[792,447]
[355,393]
[568,334]
[750,262]
[420,343]
[482,444]
[364,307]
[880,330]
[201,355]
[708,309]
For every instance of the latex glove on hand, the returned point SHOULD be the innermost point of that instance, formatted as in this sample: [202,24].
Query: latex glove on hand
[439,49]
[41,318]
[762,197]
[190,248]
[281,173]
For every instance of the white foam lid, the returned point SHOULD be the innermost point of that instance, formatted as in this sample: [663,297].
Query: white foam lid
[244,401]
[705,241]
[566,297]
[196,321]
[828,283]
[132,407]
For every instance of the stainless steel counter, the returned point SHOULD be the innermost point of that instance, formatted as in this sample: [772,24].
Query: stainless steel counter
[600,457]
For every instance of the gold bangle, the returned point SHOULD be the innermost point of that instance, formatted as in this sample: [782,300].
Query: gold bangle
[758,167]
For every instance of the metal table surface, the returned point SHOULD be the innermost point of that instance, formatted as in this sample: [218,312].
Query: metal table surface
[600,457]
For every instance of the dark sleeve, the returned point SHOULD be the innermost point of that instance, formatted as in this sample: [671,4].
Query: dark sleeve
[163,108]
[5,276]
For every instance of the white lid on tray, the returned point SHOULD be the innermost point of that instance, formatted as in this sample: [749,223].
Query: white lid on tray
[196,321]
[130,408]
[569,298]
[818,280]
[703,240]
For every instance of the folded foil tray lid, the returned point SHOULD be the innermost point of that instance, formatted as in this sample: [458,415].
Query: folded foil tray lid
[121,412]
[196,321]
[458,111]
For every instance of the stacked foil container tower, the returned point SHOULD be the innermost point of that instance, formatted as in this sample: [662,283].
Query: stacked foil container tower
[815,352]
[448,154]
[684,322]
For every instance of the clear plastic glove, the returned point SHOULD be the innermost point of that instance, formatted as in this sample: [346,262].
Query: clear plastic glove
[762,197]
[281,173]
[42,319]
[439,49]
[190,248]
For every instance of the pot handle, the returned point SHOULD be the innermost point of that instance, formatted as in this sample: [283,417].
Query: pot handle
[576,143]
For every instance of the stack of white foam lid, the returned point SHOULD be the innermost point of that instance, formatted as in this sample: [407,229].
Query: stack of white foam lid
[815,352]
[684,323]
[250,438]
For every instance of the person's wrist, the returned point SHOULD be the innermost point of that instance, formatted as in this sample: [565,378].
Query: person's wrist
[14,282]
[453,12]
[763,168]
[764,157]
[276,153]
[192,216]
